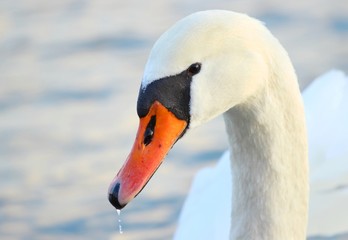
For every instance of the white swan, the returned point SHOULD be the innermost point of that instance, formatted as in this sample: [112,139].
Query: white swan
[326,105]
[221,62]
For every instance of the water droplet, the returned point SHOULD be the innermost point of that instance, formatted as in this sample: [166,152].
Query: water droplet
[119,221]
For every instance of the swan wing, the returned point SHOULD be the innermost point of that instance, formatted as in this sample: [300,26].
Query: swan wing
[326,103]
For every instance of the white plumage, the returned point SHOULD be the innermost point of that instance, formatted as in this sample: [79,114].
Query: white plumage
[326,107]
[261,190]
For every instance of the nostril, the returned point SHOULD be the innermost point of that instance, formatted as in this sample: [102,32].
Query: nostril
[113,197]
[149,132]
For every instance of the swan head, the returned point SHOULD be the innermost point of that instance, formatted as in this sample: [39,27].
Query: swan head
[202,66]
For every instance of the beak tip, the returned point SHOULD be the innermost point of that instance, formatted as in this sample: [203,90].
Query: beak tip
[113,197]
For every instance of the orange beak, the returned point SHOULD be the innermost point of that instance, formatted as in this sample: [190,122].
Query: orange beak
[157,133]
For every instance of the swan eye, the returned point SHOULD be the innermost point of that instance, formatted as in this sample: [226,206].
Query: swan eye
[148,135]
[194,69]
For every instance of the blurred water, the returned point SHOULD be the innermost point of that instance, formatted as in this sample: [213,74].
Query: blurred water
[70,73]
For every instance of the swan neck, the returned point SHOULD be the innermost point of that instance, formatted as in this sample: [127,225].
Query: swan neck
[267,139]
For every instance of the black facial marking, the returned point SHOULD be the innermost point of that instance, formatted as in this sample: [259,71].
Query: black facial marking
[149,132]
[173,92]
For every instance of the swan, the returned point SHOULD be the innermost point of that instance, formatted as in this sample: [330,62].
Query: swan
[221,62]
